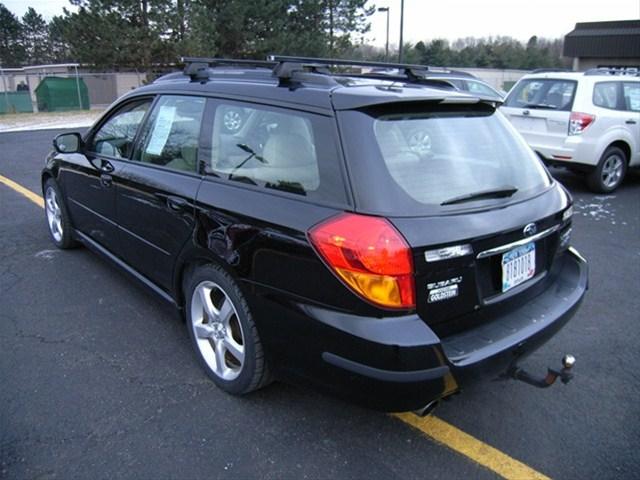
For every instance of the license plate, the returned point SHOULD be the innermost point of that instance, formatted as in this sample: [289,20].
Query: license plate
[518,265]
[528,124]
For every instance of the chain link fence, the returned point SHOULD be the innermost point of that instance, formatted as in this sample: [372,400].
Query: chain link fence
[60,88]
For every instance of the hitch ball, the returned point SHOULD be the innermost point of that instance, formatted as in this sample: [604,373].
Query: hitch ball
[568,361]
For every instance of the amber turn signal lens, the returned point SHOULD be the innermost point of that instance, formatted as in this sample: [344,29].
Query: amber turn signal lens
[370,256]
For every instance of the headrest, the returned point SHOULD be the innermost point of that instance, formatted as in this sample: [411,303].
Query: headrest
[288,150]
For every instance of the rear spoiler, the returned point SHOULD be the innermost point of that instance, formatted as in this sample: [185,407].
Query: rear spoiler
[354,101]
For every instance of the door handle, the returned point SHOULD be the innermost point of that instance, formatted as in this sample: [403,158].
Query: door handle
[631,122]
[106,166]
[176,203]
[106,180]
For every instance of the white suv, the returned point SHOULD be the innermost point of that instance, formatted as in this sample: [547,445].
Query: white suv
[588,122]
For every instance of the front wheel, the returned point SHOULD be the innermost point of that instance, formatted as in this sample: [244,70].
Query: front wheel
[58,219]
[609,172]
[223,333]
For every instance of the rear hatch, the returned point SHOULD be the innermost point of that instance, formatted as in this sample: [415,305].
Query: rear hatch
[470,266]
[540,109]
[480,213]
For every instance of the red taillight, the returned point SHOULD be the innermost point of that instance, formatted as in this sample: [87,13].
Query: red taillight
[578,122]
[370,256]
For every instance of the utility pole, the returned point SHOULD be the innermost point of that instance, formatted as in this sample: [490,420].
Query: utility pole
[401,27]
[386,48]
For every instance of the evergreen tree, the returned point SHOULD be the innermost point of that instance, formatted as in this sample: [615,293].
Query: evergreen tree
[34,37]
[11,50]
[343,19]
[58,49]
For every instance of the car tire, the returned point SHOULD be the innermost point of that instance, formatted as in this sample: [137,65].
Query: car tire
[58,220]
[610,171]
[223,333]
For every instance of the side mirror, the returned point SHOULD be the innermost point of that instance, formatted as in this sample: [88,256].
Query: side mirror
[68,142]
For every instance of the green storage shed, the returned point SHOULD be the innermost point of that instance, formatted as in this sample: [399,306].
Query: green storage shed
[58,94]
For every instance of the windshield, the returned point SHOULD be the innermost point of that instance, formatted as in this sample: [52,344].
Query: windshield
[446,159]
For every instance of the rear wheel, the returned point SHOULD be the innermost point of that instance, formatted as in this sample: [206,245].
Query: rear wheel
[58,219]
[223,333]
[609,172]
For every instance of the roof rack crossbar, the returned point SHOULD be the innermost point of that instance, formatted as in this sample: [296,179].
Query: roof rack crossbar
[338,61]
[198,68]
[550,70]
[228,61]
[412,71]
[630,70]
[285,70]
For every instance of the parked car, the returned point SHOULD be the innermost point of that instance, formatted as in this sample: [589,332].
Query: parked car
[587,121]
[317,243]
[471,84]
[462,81]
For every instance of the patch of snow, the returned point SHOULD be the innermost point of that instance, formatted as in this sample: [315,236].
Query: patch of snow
[598,208]
[46,254]
[45,121]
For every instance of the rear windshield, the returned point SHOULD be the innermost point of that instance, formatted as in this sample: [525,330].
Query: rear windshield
[423,162]
[542,93]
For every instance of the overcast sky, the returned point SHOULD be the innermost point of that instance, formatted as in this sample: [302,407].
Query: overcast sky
[451,19]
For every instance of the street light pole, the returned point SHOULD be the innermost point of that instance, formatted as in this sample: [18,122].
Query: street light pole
[401,28]
[386,48]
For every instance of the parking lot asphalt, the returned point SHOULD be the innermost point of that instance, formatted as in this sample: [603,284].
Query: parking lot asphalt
[97,378]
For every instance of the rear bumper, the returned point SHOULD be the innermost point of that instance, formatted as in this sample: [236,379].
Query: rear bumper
[400,364]
[574,149]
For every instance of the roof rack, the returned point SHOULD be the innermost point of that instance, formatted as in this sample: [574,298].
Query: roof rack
[197,67]
[288,65]
[614,70]
[550,70]
[303,68]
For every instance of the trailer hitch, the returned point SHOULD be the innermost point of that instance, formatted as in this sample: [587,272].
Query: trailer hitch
[568,361]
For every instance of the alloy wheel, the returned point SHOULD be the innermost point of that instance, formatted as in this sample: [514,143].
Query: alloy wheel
[612,170]
[54,214]
[217,329]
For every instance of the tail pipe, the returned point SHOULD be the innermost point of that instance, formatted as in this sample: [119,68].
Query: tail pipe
[565,375]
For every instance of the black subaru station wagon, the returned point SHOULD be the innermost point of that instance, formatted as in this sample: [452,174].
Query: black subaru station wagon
[383,238]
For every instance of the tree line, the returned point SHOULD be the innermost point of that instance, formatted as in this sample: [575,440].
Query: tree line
[145,34]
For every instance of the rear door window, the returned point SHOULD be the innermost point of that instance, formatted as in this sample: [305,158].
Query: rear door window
[278,149]
[548,94]
[605,95]
[480,89]
[631,94]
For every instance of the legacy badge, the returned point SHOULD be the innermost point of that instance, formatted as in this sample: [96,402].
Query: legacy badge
[443,290]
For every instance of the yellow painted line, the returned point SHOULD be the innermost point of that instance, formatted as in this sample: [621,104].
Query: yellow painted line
[478,451]
[35,198]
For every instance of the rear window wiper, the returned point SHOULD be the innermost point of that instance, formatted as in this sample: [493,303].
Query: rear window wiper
[500,192]
[545,106]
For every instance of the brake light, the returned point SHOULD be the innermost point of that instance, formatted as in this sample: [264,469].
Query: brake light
[370,256]
[578,122]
